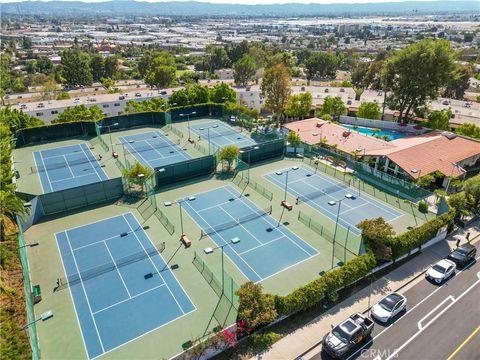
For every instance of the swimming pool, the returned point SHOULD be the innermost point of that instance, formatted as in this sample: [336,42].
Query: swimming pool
[392,134]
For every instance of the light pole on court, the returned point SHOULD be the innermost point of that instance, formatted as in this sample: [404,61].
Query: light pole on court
[248,151]
[208,134]
[188,122]
[286,179]
[336,226]
[125,150]
[108,128]
[210,250]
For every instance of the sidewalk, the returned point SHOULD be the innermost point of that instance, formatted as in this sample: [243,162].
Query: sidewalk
[404,277]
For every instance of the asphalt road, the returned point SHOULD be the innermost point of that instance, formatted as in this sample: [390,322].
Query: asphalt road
[441,322]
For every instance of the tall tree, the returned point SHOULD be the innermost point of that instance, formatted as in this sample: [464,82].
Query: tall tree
[321,64]
[276,88]
[459,82]
[369,110]
[76,69]
[79,113]
[299,105]
[111,67]
[161,71]
[16,120]
[222,93]
[439,119]
[417,74]
[97,64]
[333,106]
[215,58]
[244,70]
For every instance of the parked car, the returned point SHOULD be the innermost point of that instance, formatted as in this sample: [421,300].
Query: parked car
[349,102]
[389,307]
[347,335]
[163,92]
[138,94]
[342,90]
[441,271]
[121,97]
[445,102]
[40,105]
[326,90]
[463,255]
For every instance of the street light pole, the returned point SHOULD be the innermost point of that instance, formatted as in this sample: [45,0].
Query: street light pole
[109,132]
[248,152]
[209,250]
[208,134]
[188,122]
[335,233]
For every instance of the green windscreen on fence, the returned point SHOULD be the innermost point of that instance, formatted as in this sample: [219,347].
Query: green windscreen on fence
[384,181]
[81,196]
[344,238]
[31,327]
[185,170]
[215,281]
[242,181]
[53,132]
[266,150]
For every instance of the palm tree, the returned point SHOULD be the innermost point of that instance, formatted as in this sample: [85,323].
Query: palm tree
[10,205]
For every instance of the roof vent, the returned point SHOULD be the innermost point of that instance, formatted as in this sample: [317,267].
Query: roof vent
[449,135]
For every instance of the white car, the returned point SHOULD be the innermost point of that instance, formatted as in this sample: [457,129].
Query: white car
[390,306]
[441,271]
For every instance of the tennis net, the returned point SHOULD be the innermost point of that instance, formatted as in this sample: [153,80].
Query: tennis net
[110,266]
[64,164]
[145,145]
[221,131]
[323,192]
[235,222]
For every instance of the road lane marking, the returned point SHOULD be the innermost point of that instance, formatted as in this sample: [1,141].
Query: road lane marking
[408,312]
[419,324]
[464,342]
[395,353]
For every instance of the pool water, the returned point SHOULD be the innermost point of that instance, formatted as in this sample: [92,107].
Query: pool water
[392,135]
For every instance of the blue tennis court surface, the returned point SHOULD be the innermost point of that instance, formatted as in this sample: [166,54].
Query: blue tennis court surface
[317,190]
[105,263]
[67,167]
[221,135]
[153,149]
[264,249]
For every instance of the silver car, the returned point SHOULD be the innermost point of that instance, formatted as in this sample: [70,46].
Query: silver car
[389,307]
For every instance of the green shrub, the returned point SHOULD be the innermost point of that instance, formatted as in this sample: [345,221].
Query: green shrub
[262,341]
[423,206]
[310,294]
[63,96]
[417,236]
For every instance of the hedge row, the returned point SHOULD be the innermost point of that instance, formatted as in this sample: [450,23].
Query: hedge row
[417,236]
[310,294]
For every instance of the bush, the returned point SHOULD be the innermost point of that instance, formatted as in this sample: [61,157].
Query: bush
[63,96]
[417,236]
[263,341]
[310,294]
[423,206]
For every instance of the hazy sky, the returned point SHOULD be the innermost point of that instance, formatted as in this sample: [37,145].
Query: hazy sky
[252,2]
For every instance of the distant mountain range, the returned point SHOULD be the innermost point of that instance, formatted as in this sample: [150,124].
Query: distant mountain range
[195,8]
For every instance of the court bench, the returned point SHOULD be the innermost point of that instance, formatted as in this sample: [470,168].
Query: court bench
[286,205]
[185,240]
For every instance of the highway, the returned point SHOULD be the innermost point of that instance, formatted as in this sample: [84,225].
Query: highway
[441,322]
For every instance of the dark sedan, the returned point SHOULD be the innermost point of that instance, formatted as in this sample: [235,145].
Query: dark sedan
[463,255]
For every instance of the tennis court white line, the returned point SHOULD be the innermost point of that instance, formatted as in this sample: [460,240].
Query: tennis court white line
[321,190]
[125,300]
[118,270]
[90,163]
[46,172]
[225,243]
[268,219]
[373,200]
[68,165]
[241,225]
[39,178]
[213,206]
[261,244]
[131,150]
[75,177]
[85,293]
[154,265]
[308,203]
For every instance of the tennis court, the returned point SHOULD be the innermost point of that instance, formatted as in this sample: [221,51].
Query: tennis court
[67,167]
[250,237]
[221,135]
[119,283]
[326,195]
[153,149]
